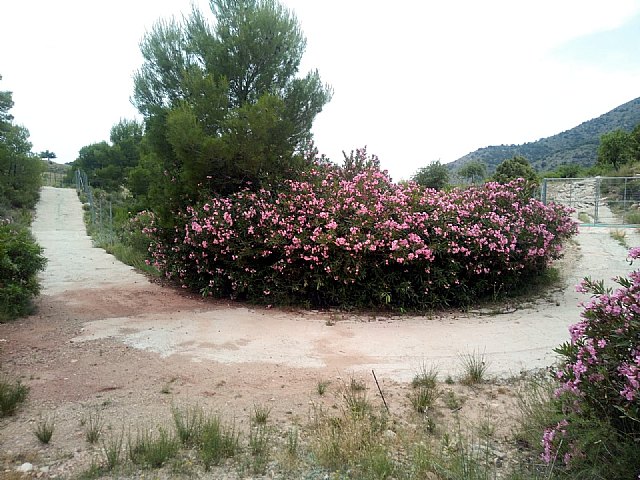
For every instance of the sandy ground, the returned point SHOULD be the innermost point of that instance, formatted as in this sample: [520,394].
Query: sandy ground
[105,336]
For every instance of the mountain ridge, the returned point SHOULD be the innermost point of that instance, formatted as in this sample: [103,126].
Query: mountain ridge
[576,145]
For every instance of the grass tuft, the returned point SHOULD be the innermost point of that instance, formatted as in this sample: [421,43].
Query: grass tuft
[189,422]
[322,386]
[261,414]
[152,450]
[44,429]
[112,450]
[217,441]
[474,366]
[93,425]
[423,398]
[12,395]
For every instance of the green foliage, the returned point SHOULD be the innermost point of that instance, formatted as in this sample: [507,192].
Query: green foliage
[617,148]
[474,367]
[516,167]
[44,429]
[12,395]
[94,424]
[152,450]
[568,170]
[188,422]
[112,450]
[473,172]
[435,176]
[217,442]
[20,170]
[20,261]
[108,165]
[423,398]
[223,104]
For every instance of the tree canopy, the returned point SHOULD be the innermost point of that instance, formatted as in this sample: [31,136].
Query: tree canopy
[20,170]
[513,168]
[619,147]
[434,175]
[222,101]
[473,172]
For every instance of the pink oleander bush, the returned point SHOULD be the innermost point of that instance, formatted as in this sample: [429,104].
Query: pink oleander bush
[598,399]
[352,238]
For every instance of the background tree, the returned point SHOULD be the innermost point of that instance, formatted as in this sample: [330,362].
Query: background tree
[435,175]
[473,172]
[47,154]
[20,170]
[108,165]
[618,147]
[222,103]
[513,168]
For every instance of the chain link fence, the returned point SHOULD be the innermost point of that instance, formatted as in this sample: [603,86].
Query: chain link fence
[602,201]
[100,210]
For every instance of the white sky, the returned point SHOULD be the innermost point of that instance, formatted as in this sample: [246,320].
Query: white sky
[414,80]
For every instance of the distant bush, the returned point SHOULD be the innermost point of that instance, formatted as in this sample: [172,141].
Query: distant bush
[358,239]
[20,261]
[597,428]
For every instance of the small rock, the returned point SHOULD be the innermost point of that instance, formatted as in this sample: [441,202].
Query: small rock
[389,434]
[44,469]
[25,467]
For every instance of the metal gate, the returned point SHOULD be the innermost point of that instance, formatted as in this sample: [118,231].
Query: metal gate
[603,201]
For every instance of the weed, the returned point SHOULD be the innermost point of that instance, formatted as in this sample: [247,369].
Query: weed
[423,398]
[449,380]
[356,402]
[465,460]
[619,236]
[343,442]
[584,217]
[292,442]
[321,387]
[112,450]
[93,424]
[486,428]
[94,471]
[452,401]
[474,366]
[166,388]
[356,385]
[44,429]
[427,376]
[536,410]
[189,423]
[151,450]
[12,394]
[376,464]
[259,440]
[217,441]
[261,414]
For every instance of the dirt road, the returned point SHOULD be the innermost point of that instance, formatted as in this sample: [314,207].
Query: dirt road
[104,335]
[119,304]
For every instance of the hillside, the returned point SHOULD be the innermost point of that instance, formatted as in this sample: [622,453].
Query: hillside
[577,145]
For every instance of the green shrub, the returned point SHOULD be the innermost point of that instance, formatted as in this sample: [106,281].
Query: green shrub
[596,431]
[12,394]
[20,261]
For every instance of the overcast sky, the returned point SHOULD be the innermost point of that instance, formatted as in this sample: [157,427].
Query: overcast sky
[414,80]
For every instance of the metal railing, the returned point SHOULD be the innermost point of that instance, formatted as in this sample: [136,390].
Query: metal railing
[602,201]
[100,210]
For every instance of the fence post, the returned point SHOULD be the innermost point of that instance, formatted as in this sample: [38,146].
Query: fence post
[596,198]
[543,191]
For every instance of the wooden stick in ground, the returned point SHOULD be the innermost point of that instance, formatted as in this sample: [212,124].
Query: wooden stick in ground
[380,390]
